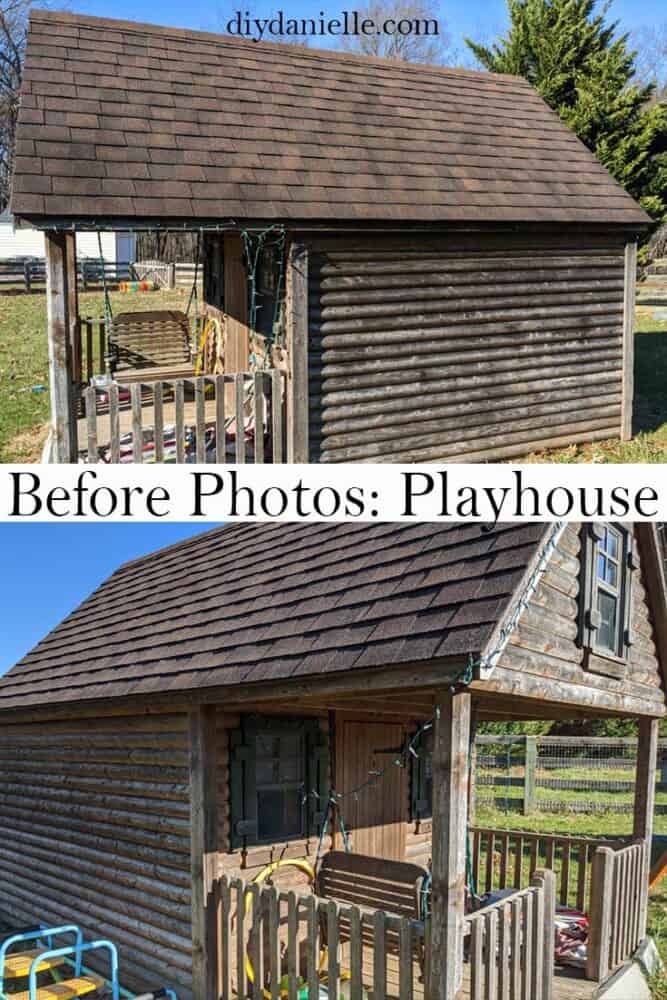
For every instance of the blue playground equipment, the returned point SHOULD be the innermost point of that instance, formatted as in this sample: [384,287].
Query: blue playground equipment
[70,978]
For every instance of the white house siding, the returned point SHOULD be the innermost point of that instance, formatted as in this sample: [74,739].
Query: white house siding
[30,243]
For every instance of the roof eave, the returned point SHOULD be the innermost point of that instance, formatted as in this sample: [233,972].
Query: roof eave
[414,675]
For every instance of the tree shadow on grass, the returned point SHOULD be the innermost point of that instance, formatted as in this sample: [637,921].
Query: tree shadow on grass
[650,409]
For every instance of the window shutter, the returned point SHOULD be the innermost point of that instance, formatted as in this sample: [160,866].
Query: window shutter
[318,777]
[243,788]
[632,565]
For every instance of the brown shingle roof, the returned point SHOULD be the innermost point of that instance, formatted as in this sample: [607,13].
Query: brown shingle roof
[135,121]
[248,603]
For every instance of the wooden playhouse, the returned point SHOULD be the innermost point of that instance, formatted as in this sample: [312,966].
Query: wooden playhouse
[438,269]
[255,695]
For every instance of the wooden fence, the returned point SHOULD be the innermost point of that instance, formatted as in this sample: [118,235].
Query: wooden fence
[504,859]
[618,905]
[264,934]
[510,944]
[29,274]
[224,418]
[167,274]
[517,772]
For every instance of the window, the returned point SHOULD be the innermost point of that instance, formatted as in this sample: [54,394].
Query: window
[275,766]
[422,778]
[607,565]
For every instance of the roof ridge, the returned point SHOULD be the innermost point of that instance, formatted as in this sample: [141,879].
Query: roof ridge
[146,27]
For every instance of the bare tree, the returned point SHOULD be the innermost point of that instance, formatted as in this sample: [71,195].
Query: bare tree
[13,25]
[409,30]
[650,41]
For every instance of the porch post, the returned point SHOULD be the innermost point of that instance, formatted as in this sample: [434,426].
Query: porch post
[647,754]
[450,806]
[203,851]
[235,282]
[297,353]
[63,422]
[73,307]
[629,295]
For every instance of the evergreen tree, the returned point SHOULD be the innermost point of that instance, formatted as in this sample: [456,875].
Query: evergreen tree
[573,57]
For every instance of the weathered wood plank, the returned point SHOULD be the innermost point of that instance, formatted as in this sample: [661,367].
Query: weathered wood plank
[137,426]
[179,420]
[629,295]
[206,976]
[297,347]
[63,423]
[158,420]
[600,914]
[644,806]
[450,798]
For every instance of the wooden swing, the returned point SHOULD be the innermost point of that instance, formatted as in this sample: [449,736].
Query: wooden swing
[150,346]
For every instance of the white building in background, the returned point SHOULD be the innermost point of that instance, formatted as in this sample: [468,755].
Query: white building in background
[29,242]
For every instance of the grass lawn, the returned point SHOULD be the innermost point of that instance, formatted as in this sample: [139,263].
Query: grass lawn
[24,364]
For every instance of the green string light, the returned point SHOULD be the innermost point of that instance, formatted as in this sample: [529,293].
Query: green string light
[255,243]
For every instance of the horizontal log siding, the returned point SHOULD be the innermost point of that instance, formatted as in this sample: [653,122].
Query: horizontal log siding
[94,828]
[464,354]
[543,660]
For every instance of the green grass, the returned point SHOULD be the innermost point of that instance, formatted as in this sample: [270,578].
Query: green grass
[24,364]
[649,442]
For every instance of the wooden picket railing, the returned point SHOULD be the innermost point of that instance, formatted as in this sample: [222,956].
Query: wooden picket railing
[264,934]
[619,888]
[510,944]
[224,418]
[504,859]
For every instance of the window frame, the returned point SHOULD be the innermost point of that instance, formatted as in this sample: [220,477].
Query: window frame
[243,784]
[600,658]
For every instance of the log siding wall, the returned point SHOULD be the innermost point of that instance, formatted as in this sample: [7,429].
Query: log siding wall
[544,660]
[94,829]
[479,349]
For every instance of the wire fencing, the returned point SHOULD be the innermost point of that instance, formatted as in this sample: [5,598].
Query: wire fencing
[552,774]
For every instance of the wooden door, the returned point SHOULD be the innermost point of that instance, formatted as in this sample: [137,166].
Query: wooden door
[376,817]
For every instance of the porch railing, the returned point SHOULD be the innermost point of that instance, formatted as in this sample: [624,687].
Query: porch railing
[266,936]
[223,418]
[618,900]
[507,859]
[510,944]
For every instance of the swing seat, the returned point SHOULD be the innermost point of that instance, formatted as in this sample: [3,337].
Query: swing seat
[151,346]
[68,989]
[17,965]
[372,884]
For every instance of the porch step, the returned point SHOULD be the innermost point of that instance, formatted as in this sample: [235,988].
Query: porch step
[17,966]
[68,989]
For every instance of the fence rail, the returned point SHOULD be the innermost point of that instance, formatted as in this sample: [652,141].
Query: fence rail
[236,417]
[618,901]
[504,859]
[510,944]
[558,774]
[31,273]
[265,935]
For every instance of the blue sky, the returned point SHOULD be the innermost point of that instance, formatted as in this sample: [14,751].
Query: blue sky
[481,20]
[46,570]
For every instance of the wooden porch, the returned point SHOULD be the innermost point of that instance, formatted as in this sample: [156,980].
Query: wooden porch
[359,946]
[131,389]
